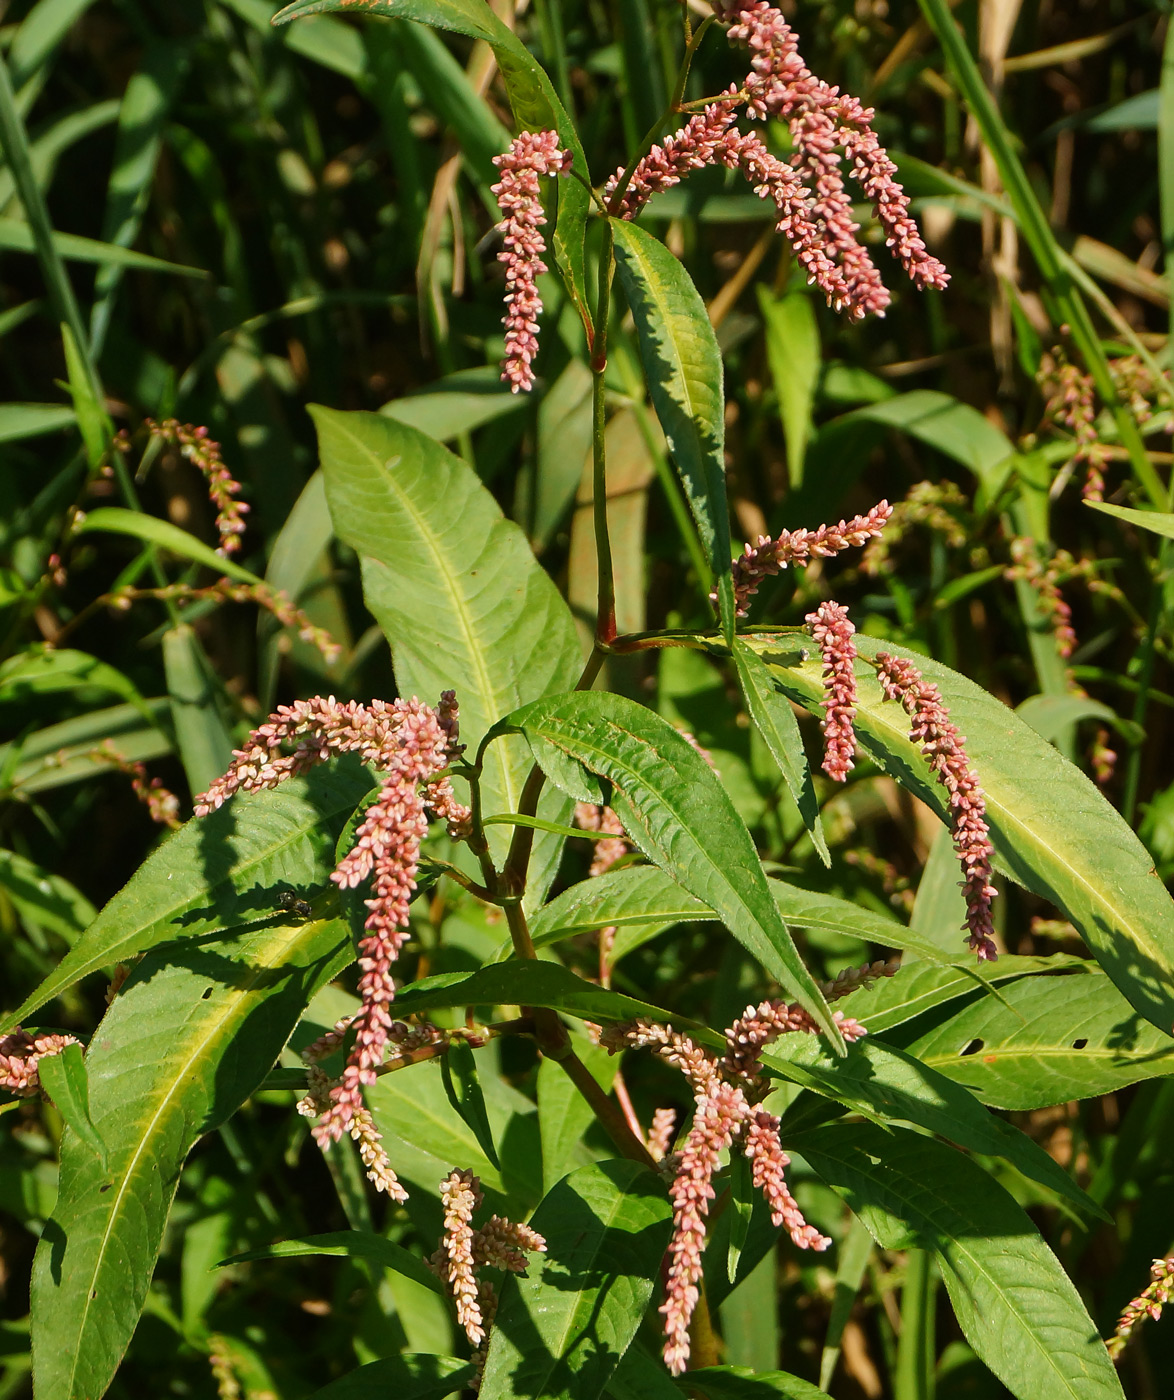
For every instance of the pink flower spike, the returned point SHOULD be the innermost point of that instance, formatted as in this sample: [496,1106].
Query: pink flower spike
[460,1193]
[945,749]
[531,154]
[768,1162]
[833,633]
[21,1053]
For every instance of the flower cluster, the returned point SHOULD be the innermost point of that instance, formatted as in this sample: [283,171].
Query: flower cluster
[945,749]
[410,744]
[768,557]
[934,505]
[160,802]
[530,155]
[614,841]
[1043,575]
[833,633]
[21,1053]
[498,1244]
[815,210]
[223,489]
[1148,1303]
[727,1091]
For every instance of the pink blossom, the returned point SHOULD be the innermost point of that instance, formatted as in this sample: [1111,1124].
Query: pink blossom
[410,743]
[591,817]
[945,749]
[1148,1303]
[833,633]
[769,556]
[21,1053]
[531,154]
[195,444]
[460,1193]
[661,1133]
[853,979]
[768,1163]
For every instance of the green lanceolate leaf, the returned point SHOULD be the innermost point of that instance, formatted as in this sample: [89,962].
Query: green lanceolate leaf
[65,1081]
[1047,1040]
[775,721]
[1156,521]
[188,1038]
[456,590]
[114,520]
[1016,1306]
[44,900]
[409,1376]
[683,366]
[740,1383]
[219,871]
[1052,829]
[886,1083]
[346,1244]
[564,1115]
[532,96]
[459,1071]
[562,1329]
[201,735]
[675,809]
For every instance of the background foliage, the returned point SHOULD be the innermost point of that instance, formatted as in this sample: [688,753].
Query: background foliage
[252,220]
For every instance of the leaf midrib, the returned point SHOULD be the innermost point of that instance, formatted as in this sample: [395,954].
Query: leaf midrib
[448,571]
[237,997]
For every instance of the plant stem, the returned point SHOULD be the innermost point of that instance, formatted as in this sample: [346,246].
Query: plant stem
[613,1120]
[605,622]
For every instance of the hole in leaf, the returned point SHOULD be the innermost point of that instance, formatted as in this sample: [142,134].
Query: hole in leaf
[206,995]
[972,1047]
[1079,1044]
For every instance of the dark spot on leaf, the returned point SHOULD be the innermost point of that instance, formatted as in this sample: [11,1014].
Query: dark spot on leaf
[206,995]
[105,1186]
[93,1295]
[1079,1044]
[972,1047]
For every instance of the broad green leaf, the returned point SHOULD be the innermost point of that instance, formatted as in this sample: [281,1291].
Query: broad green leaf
[775,720]
[1051,715]
[189,1037]
[939,910]
[878,1079]
[328,42]
[458,1069]
[409,1376]
[425,1138]
[117,521]
[347,1244]
[683,366]
[1046,1041]
[201,734]
[219,871]
[1016,1306]
[641,1377]
[65,1081]
[26,420]
[44,900]
[457,592]
[675,809]
[532,97]
[457,404]
[17,237]
[920,986]
[41,670]
[562,1329]
[1155,521]
[793,353]
[740,1383]
[564,1115]
[1053,831]
[644,894]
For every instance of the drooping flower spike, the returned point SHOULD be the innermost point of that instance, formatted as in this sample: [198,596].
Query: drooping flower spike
[530,155]
[833,633]
[409,743]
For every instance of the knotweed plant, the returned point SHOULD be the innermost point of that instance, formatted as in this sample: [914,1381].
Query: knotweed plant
[380,919]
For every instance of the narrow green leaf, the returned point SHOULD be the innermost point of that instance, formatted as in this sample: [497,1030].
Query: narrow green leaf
[201,735]
[683,366]
[148,528]
[562,1329]
[65,1081]
[348,1244]
[409,1376]
[793,353]
[456,591]
[219,871]
[1155,521]
[1048,1040]
[66,752]
[775,720]
[25,420]
[17,237]
[92,421]
[42,670]
[1053,831]
[459,1071]
[189,1037]
[742,1207]
[855,1250]
[882,1081]
[741,1383]
[949,426]
[457,404]
[39,33]
[43,899]
[675,809]
[1016,1306]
